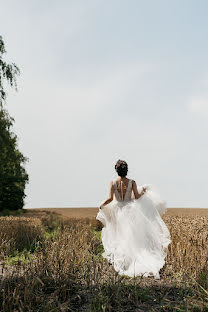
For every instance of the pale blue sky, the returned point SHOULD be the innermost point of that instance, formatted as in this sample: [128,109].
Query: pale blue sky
[103,80]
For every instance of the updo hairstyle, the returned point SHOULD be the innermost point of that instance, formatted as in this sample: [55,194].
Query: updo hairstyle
[121,168]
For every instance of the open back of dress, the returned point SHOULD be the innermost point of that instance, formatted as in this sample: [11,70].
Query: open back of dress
[127,195]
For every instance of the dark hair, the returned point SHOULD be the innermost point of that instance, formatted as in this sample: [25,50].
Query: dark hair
[121,168]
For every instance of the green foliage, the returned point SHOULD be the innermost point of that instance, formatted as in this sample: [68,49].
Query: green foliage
[99,246]
[7,212]
[8,73]
[13,176]
[18,257]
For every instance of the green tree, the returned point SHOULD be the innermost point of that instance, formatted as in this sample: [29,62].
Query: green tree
[13,176]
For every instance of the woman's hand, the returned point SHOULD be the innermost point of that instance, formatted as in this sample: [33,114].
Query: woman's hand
[143,190]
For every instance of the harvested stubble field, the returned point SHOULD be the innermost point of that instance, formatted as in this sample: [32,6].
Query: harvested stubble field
[51,261]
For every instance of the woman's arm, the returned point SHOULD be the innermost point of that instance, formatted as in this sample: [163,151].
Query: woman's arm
[110,198]
[135,190]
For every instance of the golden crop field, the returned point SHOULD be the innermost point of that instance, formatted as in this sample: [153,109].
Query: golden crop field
[51,260]
[91,212]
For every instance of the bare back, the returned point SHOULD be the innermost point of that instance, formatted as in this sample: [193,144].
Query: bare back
[123,189]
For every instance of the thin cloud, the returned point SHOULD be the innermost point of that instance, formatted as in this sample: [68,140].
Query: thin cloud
[198,105]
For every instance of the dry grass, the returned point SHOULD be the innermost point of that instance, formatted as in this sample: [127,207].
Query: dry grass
[18,233]
[188,252]
[67,272]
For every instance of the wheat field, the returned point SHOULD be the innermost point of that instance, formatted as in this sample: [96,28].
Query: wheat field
[89,212]
[51,260]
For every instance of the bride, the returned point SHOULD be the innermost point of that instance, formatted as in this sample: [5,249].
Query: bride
[134,236]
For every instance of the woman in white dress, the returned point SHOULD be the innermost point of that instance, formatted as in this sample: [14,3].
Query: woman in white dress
[134,236]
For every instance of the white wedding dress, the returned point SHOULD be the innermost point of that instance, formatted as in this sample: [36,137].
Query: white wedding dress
[134,236]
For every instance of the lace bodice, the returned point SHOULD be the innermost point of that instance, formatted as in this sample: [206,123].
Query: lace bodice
[128,193]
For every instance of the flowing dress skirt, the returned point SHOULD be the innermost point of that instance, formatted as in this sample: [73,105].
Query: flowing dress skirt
[134,236]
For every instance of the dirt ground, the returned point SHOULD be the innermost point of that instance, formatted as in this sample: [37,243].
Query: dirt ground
[92,212]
